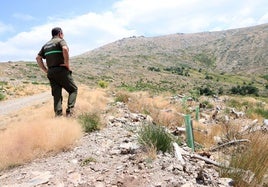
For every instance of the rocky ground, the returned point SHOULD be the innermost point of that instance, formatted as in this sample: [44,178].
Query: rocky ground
[113,157]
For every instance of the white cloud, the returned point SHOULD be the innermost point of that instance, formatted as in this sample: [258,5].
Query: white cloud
[171,16]
[5,28]
[154,17]
[92,30]
[263,19]
[82,33]
[23,17]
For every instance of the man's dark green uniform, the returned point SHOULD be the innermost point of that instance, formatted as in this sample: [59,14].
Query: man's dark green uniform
[59,76]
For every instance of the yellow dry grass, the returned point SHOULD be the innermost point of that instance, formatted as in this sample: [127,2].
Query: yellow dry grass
[256,156]
[253,158]
[32,138]
[158,107]
[34,131]
[205,134]
[91,100]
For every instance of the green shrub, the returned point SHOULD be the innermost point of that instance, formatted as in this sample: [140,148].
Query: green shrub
[156,137]
[207,104]
[2,96]
[86,161]
[36,83]
[90,122]
[206,91]
[103,84]
[3,83]
[206,59]
[265,77]
[32,64]
[261,111]
[237,103]
[195,94]
[122,97]
[245,90]
[208,77]
[220,91]
[157,69]
[150,86]
[175,70]
[32,76]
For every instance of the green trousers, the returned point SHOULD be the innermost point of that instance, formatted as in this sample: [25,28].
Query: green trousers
[60,77]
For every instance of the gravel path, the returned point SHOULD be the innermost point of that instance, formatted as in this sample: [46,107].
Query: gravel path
[9,106]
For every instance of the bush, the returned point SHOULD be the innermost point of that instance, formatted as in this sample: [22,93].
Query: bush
[157,69]
[2,96]
[206,91]
[90,122]
[206,59]
[103,84]
[265,77]
[3,83]
[87,161]
[122,97]
[177,70]
[244,90]
[262,112]
[154,136]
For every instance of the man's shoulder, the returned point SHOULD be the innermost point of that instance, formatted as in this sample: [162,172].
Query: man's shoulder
[56,39]
[61,41]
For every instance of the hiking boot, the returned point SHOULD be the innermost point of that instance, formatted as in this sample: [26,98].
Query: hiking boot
[69,112]
[58,113]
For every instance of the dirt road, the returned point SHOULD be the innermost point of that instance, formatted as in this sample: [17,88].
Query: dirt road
[9,106]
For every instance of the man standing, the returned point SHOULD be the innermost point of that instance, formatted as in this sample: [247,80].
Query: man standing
[56,53]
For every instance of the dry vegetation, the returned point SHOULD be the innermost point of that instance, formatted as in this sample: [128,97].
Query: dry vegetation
[28,135]
[158,107]
[252,156]
[29,139]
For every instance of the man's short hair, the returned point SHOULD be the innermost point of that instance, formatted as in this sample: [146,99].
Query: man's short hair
[55,31]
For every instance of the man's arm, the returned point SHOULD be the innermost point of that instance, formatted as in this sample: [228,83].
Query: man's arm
[65,51]
[40,62]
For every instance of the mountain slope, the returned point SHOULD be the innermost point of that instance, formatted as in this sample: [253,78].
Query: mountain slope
[237,50]
[181,61]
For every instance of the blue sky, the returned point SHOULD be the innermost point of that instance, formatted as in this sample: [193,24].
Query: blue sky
[88,24]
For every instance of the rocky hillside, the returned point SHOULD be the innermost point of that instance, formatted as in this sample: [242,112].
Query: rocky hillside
[232,51]
[181,61]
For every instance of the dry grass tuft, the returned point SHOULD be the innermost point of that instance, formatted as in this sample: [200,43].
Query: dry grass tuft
[151,152]
[256,157]
[30,139]
[200,134]
[210,135]
[122,96]
[205,135]
[253,158]
[90,100]
[158,107]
